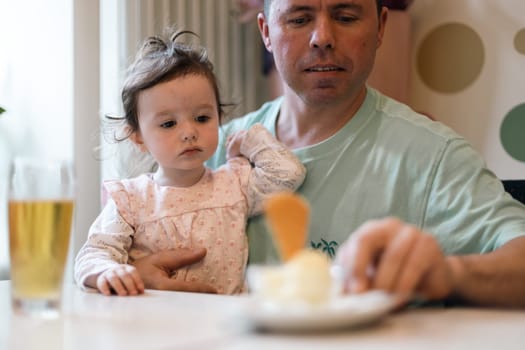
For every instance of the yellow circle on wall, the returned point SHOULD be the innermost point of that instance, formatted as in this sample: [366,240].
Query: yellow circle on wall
[450,57]
[519,41]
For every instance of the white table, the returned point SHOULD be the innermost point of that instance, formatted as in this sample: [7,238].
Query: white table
[174,320]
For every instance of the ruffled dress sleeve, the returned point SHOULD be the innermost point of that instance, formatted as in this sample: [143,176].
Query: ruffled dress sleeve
[110,236]
[274,167]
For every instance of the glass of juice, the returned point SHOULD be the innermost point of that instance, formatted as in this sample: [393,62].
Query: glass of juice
[41,196]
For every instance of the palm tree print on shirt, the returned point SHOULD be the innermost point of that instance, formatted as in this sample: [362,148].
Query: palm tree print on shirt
[325,246]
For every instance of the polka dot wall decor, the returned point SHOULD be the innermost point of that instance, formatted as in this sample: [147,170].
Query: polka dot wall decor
[519,41]
[512,133]
[450,57]
[471,76]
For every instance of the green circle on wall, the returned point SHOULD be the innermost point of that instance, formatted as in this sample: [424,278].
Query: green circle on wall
[512,133]
[519,41]
[450,57]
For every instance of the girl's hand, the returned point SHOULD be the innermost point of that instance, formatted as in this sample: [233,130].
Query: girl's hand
[233,144]
[122,279]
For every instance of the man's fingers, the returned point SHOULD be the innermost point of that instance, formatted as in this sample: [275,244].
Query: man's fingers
[346,258]
[366,246]
[429,273]
[394,259]
[174,259]
[419,261]
[155,270]
[195,287]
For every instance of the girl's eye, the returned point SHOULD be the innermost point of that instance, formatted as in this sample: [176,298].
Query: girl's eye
[202,118]
[168,124]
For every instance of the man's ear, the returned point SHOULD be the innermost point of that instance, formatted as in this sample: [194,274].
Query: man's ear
[136,138]
[383,16]
[263,29]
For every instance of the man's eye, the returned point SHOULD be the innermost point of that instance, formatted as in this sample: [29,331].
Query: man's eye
[168,124]
[346,18]
[298,20]
[202,118]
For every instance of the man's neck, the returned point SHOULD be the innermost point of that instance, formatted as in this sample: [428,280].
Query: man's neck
[300,125]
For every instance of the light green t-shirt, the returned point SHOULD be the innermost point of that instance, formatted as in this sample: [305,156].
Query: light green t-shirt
[390,161]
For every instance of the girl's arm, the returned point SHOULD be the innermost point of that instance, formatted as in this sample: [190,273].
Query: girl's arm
[275,167]
[106,248]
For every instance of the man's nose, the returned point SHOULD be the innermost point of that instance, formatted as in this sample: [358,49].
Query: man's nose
[323,34]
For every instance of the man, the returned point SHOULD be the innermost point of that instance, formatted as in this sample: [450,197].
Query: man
[456,234]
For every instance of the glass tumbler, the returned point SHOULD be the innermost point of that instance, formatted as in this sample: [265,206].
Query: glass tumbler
[40,214]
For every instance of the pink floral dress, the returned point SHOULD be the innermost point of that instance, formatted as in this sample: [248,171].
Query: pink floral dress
[141,217]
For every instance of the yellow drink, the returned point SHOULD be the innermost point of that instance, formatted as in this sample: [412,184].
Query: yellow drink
[39,232]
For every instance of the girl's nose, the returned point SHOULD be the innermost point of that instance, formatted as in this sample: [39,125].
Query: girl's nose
[189,133]
[192,137]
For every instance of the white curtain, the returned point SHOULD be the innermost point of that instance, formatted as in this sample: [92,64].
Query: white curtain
[49,87]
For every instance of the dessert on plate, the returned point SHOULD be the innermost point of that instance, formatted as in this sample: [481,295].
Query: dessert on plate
[303,293]
[306,276]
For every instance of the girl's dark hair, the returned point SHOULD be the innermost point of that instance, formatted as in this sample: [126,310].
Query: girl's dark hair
[161,59]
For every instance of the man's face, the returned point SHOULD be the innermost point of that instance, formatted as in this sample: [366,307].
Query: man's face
[323,49]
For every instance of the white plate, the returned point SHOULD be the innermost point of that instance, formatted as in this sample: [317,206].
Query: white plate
[341,312]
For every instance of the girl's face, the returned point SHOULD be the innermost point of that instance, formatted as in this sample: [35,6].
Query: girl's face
[178,125]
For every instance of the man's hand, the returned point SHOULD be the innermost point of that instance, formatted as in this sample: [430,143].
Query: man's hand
[156,269]
[396,257]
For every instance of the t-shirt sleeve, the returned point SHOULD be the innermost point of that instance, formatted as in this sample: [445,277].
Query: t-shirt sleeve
[468,209]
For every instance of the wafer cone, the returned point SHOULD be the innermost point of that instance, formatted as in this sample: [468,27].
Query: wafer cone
[287,215]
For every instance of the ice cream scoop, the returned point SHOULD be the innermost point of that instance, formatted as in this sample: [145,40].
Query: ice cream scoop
[306,279]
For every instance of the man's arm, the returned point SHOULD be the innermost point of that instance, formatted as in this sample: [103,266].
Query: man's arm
[493,279]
